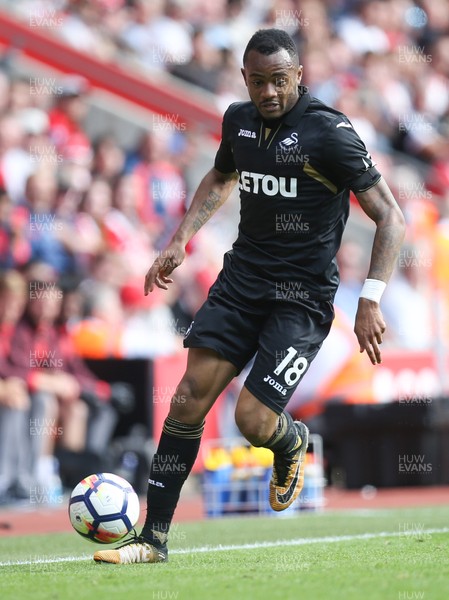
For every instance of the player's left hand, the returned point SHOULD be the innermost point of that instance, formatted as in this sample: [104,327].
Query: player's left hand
[369,327]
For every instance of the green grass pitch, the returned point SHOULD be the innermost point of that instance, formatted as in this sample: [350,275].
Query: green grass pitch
[355,555]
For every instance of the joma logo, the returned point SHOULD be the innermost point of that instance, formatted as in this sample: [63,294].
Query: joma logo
[277,386]
[247,133]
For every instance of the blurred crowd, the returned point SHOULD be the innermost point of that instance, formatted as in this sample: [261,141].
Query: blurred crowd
[385,63]
[95,215]
[82,219]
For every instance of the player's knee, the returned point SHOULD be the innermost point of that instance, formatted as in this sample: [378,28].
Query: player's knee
[188,404]
[256,427]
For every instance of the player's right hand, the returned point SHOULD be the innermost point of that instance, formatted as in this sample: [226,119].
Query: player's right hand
[165,263]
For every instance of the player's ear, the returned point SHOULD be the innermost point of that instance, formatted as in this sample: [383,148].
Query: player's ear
[299,74]
[244,75]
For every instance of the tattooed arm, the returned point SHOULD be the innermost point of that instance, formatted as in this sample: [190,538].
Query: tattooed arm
[379,204]
[212,192]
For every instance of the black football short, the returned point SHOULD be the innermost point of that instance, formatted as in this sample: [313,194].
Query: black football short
[246,316]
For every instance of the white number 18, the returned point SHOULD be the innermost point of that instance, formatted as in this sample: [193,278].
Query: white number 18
[292,374]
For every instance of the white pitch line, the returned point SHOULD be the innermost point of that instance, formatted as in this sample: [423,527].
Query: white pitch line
[305,541]
[254,546]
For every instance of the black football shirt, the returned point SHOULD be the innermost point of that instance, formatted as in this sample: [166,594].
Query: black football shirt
[296,174]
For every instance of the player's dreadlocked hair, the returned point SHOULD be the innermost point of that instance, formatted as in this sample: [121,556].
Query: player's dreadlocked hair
[270,41]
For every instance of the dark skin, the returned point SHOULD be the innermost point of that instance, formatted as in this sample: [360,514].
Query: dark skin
[379,204]
[272,83]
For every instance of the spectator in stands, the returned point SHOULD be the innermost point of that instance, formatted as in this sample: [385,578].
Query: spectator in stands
[108,270]
[85,27]
[66,121]
[14,399]
[352,266]
[90,219]
[109,159]
[29,421]
[105,401]
[366,117]
[204,68]
[124,231]
[150,329]
[174,33]
[38,354]
[363,30]
[408,307]
[19,98]
[15,163]
[161,187]
[157,34]
[5,91]
[84,409]
[99,333]
[46,233]
[15,249]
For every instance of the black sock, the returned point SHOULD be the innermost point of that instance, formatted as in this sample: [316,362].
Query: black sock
[171,465]
[285,438]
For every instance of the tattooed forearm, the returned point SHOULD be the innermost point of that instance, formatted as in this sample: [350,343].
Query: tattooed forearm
[212,192]
[386,247]
[208,208]
[380,205]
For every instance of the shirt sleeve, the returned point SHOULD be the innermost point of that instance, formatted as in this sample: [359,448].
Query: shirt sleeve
[224,159]
[347,162]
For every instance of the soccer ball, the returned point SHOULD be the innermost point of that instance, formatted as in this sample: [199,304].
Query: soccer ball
[103,508]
